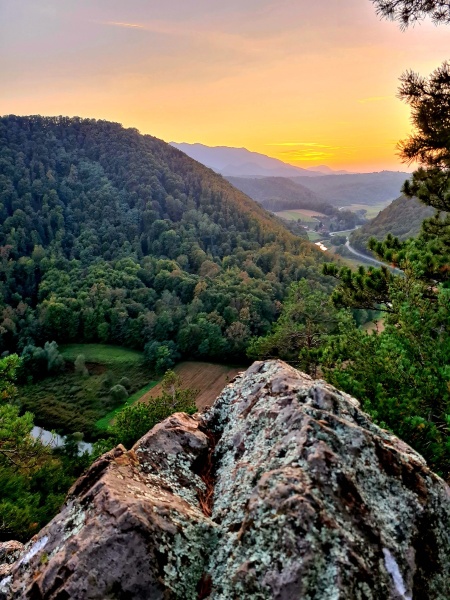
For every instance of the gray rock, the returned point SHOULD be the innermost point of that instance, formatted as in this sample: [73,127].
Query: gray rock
[132,526]
[283,490]
[314,501]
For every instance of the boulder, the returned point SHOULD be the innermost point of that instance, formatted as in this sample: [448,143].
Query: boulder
[283,490]
[9,553]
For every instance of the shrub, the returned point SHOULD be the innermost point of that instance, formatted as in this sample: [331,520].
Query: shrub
[125,382]
[118,393]
[80,365]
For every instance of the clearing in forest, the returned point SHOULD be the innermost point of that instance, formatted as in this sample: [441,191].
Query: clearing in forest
[309,216]
[104,354]
[208,378]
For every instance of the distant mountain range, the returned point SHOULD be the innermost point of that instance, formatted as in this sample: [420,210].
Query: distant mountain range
[240,162]
[357,188]
[269,180]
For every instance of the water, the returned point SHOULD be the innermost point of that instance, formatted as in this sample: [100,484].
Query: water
[56,441]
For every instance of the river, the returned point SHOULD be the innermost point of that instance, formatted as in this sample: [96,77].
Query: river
[57,441]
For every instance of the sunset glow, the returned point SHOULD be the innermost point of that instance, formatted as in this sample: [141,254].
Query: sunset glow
[307,83]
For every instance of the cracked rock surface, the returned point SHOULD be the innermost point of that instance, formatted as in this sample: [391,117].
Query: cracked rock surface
[283,490]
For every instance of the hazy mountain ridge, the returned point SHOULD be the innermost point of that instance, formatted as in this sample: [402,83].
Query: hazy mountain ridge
[240,162]
[356,188]
[279,193]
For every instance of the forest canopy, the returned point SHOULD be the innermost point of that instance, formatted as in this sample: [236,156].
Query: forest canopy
[111,236]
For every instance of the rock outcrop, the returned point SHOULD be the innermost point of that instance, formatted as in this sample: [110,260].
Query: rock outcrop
[284,489]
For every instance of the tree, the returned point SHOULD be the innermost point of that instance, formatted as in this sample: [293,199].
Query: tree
[17,447]
[161,355]
[402,375]
[118,393]
[408,12]
[39,362]
[32,481]
[80,365]
[307,318]
[135,421]
[8,369]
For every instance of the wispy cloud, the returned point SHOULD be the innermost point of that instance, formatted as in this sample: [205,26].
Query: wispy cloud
[128,25]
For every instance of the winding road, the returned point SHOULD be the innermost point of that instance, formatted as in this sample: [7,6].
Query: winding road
[367,259]
[363,256]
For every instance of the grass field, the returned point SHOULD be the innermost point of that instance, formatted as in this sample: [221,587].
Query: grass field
[106,421]
[208,378]
[71,402]
[374,326]
[102,354]
[372,210]
[313,236]
[307,216]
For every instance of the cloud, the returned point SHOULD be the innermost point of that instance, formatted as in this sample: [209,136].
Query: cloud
[129,25]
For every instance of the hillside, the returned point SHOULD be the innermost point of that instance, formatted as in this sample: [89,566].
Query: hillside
[402,218]
[279,193]
[293,201]
[358,188]
[240,162]
[110,236]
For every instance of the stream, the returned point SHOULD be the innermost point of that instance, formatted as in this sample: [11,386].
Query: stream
[57,441]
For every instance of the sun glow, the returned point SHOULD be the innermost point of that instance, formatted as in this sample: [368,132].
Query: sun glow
[255,74]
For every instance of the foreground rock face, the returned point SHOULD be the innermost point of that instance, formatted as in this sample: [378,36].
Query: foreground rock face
[284,490]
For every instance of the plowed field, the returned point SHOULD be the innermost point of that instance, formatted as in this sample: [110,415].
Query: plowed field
[209,379]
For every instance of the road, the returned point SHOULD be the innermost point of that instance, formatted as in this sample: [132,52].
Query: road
[363,256]
[367,259]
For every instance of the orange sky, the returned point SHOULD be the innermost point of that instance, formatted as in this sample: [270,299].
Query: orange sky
[309,83]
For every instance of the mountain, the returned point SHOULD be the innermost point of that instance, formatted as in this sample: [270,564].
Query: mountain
[107,235]
[403,218]
[240,162]
[357,188]
[324,170]
[279,193]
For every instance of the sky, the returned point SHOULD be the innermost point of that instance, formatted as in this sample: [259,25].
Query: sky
[310,83]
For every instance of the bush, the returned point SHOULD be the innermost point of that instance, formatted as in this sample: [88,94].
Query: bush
[118,393]
[134,421]
[80,365]
[125,382]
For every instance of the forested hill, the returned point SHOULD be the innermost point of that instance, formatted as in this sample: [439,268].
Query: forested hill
[279,193]
[356,188]
[403,218]
[108,235]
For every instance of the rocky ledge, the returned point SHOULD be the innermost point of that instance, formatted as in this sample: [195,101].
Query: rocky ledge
[283,490]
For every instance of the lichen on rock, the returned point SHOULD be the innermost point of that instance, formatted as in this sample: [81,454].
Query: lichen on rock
[310,500]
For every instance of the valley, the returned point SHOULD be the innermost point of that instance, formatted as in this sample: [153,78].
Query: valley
[122,259]
[225,359]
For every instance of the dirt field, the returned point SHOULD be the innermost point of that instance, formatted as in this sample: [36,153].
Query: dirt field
[208,378]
